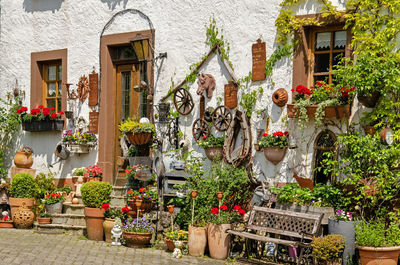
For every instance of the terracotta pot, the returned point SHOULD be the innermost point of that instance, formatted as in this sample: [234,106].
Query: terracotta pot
[23,160]
[220,194]
[15,203]
[54,208]
[24,217]
[218,240]
[194,194]
[44,220]
[369,101]
[370,130]
[94,223]
[145,207]
[137,240]
[108,226]
[337,261]
[170,244]
[274,154]
[379,256]
[280,97]
[214,153]
[337,112]
[6,224]
[197,240]
[138,138]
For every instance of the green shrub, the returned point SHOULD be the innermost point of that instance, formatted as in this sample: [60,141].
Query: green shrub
[23,186]
[328,248]
[95,193]
[375,234]
[44,185]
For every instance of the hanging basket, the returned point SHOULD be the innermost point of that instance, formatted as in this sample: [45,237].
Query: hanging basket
[215,152]
[369,101]
[274,154]
[138,138]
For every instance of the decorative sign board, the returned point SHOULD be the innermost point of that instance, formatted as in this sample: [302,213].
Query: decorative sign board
[259,58]
[93,122]
[93,85]
[230,95]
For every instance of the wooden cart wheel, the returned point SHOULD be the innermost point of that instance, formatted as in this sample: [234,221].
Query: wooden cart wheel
[222,118]
[200,129]
[183,101]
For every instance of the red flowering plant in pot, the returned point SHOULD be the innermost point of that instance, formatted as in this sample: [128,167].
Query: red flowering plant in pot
[147,197]
[213,146]
[110,213]
[94,173]
[53,202]
[274,146]
[41,119]
[6,222]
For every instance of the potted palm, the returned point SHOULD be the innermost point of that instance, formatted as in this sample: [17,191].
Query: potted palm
[23,188]
[138,232]
[138,133]
[328,250]
[53,203]
[23,157]
[94,195]
[274,146]
[213,146]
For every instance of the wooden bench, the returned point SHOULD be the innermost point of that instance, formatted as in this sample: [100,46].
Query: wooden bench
[298,229]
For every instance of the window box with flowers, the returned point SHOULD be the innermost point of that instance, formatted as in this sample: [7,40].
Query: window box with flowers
[53,203]
[78,142]
[274,146]
[138,133]
[147,196]
[213,146]
[321,102]
[41,119]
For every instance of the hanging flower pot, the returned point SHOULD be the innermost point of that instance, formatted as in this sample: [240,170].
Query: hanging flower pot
[338,112]
[280,97]
[215,152]
[138,138]
[274,154]
[369,101]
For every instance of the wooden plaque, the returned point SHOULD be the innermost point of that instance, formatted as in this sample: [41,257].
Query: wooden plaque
[230,95]
[93,85]
[259,58]
[93,122]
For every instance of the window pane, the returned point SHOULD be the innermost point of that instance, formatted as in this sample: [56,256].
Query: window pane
[321,63]
[125,53]
[51,103]
[59,106]
[324,78]
[126,85]
[336,58]
[51,89]
[340,39]
[59,72]
[59,89]
[51,72]
[323,41]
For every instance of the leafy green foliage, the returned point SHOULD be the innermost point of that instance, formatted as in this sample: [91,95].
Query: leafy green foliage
[216,37]
[96,193]
[278,139]
[23,186]
[375,234]
[328,248]
[44,185]
[212,141]
[278,54]
[248,99]
[67,189]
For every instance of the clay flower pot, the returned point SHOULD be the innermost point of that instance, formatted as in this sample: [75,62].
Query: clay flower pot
[215,152]
[15,203]
[170,209]
[170,244]
[107,227]
[220,194]
[370,130]
[23,160]
[280,97]
[137,240]
[381,255]
[145,207]
[274,154]
[44,220]
[6,224]
[138,138]
[94,223]
[197,240]
[218,240]
[194,194]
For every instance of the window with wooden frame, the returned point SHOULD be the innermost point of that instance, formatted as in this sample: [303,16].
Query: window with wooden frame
[52,85]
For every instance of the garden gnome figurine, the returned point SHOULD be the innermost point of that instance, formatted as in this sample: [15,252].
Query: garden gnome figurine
[177,251]
[116,232]
[78,186]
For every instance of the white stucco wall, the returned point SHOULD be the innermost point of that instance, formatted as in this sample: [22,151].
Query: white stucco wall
[40,25]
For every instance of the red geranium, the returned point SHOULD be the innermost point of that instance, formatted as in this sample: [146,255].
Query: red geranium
[125,209]
[264,134]
[5,218]
[204,137]
[105,206]
[54,115]
[46,111]
[237,207]
[223,207]
[40,107]
[52,108]
[242,212]
[142,190]
[214,211]
[61,113]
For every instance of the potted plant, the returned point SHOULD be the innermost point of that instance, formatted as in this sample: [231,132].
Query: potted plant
[220,221]
[328,250]
[110,214]
[213,146]
[44,218]
[79,172]
[138,133]
[93,173]
[177,235]
[78,142]
[53,203]
[94,195]
[6,222]
[378,244]
[274,146]
[23,157]
[147,197]
[342,224]
[138,232]
[41,119]
[22,191]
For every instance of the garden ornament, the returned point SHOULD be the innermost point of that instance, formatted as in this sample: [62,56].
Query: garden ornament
[144,120]
[61,151]
[116,232]
[82,124]
[78,186]
[206,82]
[177,250]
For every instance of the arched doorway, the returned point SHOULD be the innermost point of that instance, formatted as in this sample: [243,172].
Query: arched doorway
[324,142]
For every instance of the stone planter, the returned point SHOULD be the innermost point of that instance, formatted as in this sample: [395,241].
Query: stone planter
[107,227]
[369,101]
[94,218]
[274,154]
[197,240]
[379,256]
[44,220]
[79,148]
[55,208]
[345,229]
[327,211]
[6,224]
[137,240]
[337,112]
[138,138]
[218,240]
[23,160]
[213,153]
[15,203]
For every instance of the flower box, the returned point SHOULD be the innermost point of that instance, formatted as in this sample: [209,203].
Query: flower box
[79,148]
[338,112]
[39,126]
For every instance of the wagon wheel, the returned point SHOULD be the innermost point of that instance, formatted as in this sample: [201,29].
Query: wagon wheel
[183,101]
[200,129]
[222,118]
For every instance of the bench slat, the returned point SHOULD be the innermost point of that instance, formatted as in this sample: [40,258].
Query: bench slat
[264,238]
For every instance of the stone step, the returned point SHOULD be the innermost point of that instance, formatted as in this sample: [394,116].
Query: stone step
[118,201]
[69,219]
[61,228]
[119,191]
[74,209]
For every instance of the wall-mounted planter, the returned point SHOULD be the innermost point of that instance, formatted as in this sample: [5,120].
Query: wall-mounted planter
[80,148]
[39,126]
[337,112]
[138,138]
[274,154]
[216,152]
[369,101]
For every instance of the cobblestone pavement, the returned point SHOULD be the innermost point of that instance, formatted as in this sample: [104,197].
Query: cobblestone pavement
[27,247]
